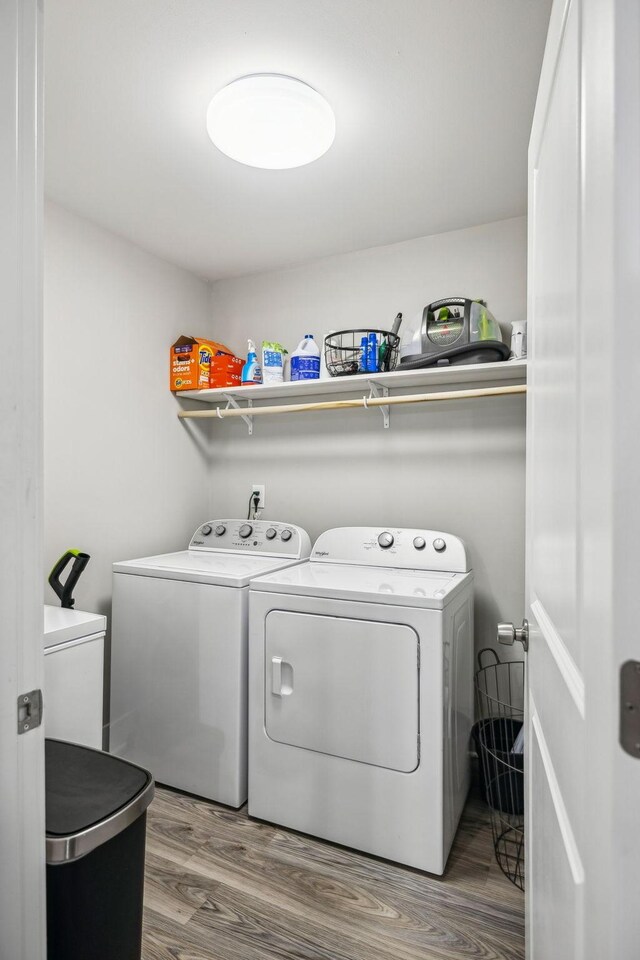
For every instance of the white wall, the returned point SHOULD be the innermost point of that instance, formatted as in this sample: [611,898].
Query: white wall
[123,477]
[459,467]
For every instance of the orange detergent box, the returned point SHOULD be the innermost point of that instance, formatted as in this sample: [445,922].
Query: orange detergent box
[225,370]
[196,364]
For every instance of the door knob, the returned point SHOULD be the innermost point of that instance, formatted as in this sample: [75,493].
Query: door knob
[508,633]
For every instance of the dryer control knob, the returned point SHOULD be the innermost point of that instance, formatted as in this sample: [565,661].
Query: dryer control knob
[439,545]
[385,540]
[286,535]
[271,533]
[206,530]
[245,530]
[419,543]
[220,529]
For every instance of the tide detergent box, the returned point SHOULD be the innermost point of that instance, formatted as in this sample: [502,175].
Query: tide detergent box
[225,370]
[196,364]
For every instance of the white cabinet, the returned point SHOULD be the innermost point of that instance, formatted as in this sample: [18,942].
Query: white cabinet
[73,675]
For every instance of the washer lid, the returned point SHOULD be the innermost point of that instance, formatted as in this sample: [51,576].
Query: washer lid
[407,588]
[62,625]
[225,569]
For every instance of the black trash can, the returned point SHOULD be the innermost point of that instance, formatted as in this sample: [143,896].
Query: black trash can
[96,822]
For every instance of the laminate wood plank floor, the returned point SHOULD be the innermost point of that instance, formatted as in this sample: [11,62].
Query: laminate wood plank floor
[220,886]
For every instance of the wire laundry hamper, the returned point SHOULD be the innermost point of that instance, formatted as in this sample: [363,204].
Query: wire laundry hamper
[498,737]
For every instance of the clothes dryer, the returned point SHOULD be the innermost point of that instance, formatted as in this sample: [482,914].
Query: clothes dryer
[361,692]
[179,654]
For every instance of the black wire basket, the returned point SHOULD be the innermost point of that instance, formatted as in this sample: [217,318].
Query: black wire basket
[498,740]
[343,352]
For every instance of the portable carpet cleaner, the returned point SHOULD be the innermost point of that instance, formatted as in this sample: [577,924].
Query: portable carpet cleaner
[64,591]
[454,330]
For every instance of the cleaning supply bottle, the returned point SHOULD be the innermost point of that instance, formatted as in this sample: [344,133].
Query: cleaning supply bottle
[305,360]
[372,353]
[364,348]
[252,371]
[273,359]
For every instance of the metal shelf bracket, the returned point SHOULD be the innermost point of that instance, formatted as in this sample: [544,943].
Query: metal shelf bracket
[232,402]
[377,391]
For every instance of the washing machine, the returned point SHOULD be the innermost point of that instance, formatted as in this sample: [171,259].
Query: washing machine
[361,693]
[73,675]
[179,654]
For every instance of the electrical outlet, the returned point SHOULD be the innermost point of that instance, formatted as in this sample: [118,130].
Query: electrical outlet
[259,488]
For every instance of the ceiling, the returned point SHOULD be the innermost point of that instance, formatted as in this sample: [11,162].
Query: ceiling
[433,102]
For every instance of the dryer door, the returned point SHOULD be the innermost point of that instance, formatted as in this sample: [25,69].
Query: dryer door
[348,688]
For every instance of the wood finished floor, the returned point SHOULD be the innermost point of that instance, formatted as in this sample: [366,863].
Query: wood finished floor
[220,886]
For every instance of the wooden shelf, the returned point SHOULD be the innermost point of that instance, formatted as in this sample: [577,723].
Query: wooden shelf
[509,371]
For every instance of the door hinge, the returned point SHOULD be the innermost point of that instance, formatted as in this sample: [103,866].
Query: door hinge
[29,710]
[630,707]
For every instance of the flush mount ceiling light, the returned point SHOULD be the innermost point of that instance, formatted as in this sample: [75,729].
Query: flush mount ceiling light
[270,121]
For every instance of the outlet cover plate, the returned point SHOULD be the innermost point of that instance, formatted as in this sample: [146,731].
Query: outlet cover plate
[260,487]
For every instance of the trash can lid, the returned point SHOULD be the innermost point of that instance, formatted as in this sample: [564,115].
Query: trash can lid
[90,797]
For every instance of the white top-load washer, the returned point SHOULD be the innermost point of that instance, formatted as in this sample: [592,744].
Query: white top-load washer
[361,692]
[73,675]
[179,654]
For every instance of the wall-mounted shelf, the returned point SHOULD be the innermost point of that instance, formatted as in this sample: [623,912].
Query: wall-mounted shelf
[510,371]
[372,390]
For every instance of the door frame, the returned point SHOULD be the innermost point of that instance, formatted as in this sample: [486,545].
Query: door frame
[22,789]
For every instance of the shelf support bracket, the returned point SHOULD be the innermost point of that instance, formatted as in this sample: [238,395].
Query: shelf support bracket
[232,402]
[377,390]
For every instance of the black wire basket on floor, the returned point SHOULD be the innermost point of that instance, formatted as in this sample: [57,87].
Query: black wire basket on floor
[498,737]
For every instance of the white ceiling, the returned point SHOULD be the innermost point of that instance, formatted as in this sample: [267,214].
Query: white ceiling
[433,102]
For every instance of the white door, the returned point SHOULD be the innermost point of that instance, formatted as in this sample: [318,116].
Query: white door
[583,490]
[22,875]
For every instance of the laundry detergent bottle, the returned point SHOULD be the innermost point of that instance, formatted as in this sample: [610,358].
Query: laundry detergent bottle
[252,371]
[305,360]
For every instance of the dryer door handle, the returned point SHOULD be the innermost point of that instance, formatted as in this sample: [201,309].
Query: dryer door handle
[281,677]
[276,676]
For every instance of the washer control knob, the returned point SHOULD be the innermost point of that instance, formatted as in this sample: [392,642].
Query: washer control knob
[245,530]
[385,540]
[220,529]
[439,545]
[206,530]
[271,533]
[286,535]
[419,543]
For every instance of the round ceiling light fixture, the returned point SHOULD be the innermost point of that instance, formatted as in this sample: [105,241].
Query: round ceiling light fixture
[271,121]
